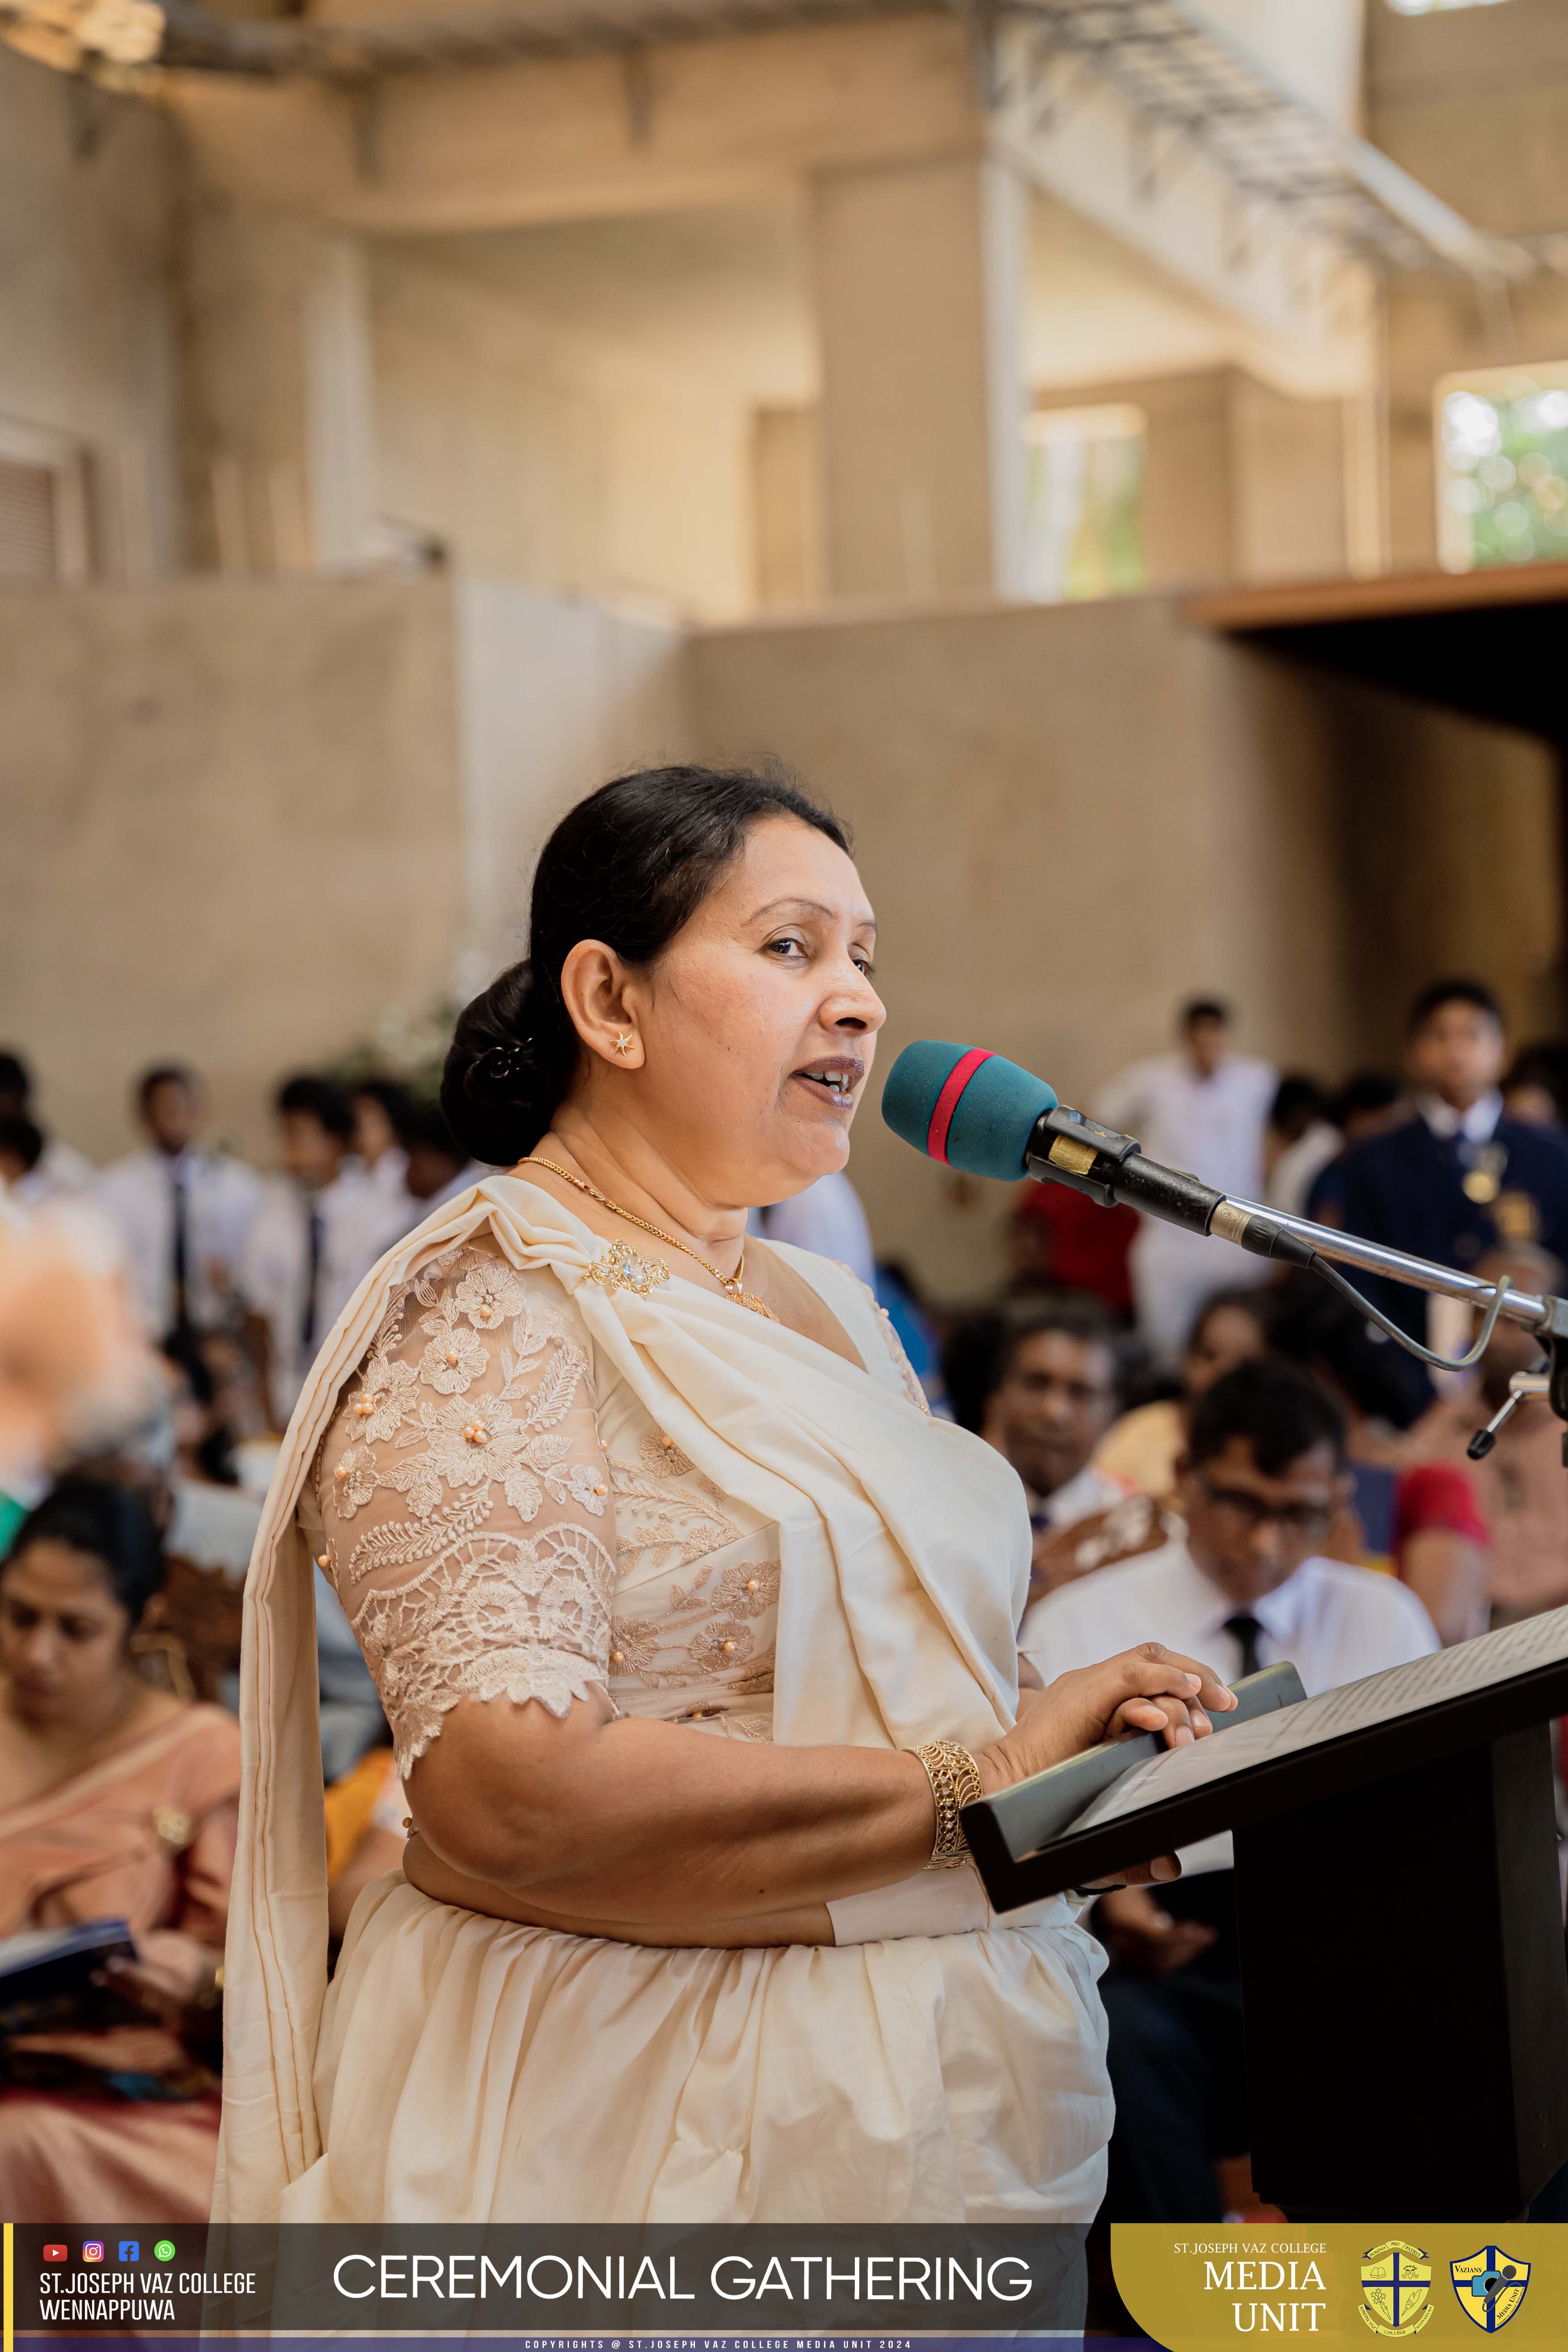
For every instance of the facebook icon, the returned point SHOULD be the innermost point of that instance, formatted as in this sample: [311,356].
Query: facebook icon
[130,2250]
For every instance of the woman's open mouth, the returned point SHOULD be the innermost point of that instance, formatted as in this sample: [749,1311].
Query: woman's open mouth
[836,1078]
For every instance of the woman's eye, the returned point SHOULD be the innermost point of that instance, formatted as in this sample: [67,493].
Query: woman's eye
[863,964]
[786,949]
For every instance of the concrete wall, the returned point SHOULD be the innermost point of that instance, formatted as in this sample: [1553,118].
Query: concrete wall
[1451,858]
[1241,482]
[233,821]
[547,457]
[1068,819]
[553,698]
[1472,102]
[88,346]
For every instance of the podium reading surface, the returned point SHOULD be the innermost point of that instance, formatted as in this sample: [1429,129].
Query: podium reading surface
[1404,1988]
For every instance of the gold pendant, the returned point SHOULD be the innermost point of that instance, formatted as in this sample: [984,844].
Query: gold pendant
[732,1290]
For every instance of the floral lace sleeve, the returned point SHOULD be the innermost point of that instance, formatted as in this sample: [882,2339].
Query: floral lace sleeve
[464,1499]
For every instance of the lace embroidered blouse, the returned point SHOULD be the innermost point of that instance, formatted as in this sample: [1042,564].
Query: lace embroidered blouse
[501,1518]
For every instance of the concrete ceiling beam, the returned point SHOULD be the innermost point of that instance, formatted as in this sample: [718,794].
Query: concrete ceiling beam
[699,122]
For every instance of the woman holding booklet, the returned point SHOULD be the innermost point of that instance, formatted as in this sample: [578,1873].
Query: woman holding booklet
[117,1802]
[694,1631]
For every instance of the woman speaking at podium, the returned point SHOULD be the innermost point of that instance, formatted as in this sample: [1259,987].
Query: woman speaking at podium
[693,1630]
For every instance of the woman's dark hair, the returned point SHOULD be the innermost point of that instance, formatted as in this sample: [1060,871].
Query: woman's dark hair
[111,1525]
[630,865]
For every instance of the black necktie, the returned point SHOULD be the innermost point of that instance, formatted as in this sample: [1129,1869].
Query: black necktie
[312,1279]
[1245,1631]
[181,1263]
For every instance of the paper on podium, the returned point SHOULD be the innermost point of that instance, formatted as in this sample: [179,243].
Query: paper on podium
[1460,1698]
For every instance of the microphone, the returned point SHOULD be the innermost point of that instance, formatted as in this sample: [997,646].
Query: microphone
[974,1110]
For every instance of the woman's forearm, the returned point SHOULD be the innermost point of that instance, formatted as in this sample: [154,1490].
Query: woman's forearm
[632,1820]
[594,1816]
[805,1923]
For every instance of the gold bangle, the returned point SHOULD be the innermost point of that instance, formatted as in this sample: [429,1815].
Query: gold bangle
[956,1782]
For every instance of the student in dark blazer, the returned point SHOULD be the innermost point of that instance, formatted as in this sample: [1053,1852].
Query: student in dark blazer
[1459,1179]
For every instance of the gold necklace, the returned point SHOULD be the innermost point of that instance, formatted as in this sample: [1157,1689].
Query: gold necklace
[728,1284]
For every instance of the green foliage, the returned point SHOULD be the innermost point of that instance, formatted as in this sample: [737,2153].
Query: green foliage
[1505,469]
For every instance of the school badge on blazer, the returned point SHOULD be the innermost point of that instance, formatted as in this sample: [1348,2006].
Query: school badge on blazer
[1395,2288]
[1491,2287]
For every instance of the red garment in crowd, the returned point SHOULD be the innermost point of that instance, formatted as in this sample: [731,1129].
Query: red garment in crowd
[1436,1494]
[1088,1246]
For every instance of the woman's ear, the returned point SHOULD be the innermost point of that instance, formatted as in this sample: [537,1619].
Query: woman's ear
[595,986]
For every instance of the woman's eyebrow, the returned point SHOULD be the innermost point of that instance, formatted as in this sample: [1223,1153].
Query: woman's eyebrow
[811,907]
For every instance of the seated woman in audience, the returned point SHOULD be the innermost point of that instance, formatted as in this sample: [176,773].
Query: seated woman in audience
[1145,1446]
[117,1802]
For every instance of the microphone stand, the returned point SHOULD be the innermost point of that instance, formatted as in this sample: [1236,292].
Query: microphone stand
[1066,1148]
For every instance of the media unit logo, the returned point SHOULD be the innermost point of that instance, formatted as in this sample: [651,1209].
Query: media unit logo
[1491,2287]
[1395,2288]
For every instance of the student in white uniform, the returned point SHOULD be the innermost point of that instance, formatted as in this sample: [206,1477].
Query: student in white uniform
[382,1111]
[1202,1109]
[1262,1477]
[184,1214]
[59,1172]
[320,1230]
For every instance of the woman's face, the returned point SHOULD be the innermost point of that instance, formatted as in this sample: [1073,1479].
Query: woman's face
[64,1638]
[759,1023]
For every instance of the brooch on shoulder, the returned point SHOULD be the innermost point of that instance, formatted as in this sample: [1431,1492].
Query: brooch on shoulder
[625,1268]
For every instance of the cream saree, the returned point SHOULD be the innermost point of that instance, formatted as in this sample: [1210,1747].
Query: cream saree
[933,2063]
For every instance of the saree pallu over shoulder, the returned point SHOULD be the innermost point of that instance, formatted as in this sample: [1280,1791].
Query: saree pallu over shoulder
[903,1559]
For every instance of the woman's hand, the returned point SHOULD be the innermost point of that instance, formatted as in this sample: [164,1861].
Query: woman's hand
[1149,1688]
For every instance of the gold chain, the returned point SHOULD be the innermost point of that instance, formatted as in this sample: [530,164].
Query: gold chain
[728,1284]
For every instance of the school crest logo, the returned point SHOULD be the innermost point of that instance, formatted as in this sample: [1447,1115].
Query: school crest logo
[1491,2287]
[1395,2288]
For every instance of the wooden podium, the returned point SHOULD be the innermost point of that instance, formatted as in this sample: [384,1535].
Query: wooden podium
[1404,1986]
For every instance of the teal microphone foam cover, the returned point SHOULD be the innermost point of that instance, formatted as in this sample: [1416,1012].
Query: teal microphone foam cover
[965,1106]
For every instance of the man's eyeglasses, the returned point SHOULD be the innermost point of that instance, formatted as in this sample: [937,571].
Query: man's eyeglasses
[1307,1522]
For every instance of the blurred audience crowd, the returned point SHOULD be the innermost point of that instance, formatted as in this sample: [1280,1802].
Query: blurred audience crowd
[1216,1453]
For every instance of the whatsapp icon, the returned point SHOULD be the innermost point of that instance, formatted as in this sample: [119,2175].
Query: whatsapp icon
[164,2250]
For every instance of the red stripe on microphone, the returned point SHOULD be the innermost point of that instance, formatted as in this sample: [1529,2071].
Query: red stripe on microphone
[947,1102]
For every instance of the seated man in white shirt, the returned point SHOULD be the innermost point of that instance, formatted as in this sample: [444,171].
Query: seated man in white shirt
[317,1236]
[1262,1477]
[1048,1396]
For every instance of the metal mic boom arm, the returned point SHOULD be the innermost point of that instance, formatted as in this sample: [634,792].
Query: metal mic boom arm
[1066,1148]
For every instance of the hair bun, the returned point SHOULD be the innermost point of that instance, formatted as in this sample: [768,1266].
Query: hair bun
[505,1070]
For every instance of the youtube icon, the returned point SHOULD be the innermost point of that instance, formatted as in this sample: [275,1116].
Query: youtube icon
[56,2254]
